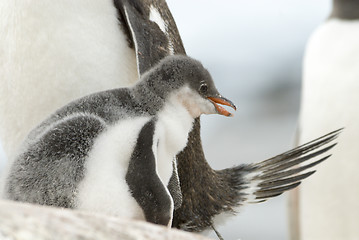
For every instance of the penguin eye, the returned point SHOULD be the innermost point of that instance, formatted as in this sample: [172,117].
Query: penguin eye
[203,88]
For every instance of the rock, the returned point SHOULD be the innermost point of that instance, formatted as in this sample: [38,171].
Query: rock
[21,221]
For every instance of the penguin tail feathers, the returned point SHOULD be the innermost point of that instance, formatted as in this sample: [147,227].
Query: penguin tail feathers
[258,182]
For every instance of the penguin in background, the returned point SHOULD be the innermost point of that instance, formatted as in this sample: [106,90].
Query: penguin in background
[113,151]
[329,100]
[56,52]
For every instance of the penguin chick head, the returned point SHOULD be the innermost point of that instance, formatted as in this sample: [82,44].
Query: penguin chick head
[186,79]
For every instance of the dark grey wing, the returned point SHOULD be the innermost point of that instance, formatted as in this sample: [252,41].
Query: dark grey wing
[144,183]
[152,29]
[254,183]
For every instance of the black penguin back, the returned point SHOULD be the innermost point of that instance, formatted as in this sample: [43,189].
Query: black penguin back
[345,9]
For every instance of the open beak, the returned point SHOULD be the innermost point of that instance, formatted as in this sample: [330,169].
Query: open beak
[221,100]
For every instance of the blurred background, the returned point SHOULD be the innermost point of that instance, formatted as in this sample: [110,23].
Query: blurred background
[254,51]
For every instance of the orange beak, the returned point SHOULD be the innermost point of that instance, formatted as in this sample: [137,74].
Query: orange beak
[223,101]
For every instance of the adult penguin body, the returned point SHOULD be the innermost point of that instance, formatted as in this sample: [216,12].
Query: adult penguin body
[113,151]
[54,52]
[327,207]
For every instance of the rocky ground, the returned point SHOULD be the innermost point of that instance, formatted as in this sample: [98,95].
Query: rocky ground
[20,221]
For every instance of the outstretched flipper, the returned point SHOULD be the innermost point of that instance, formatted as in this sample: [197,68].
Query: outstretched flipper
[276,175]
[249,183]
[144,183]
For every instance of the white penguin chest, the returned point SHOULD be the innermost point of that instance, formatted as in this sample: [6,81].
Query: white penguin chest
[104,188]
[331,75]
[172,128]
[330,101]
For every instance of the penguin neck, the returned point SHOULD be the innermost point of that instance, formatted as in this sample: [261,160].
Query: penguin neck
[345,9]
[152,98]
[174,122]
[174,104]
[175,118]
[148,99]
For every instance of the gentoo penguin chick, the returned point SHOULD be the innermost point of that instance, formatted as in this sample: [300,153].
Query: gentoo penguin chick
[113,151]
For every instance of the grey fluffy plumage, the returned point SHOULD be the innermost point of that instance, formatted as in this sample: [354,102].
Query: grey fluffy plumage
[51,164]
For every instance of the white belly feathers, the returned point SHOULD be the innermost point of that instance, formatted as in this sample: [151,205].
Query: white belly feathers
[104,188]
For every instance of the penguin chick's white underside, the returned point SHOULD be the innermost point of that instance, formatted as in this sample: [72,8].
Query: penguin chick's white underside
[103,187]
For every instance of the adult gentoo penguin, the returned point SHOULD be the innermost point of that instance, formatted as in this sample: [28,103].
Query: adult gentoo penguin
[327,206]
[113,151]
[55,52]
